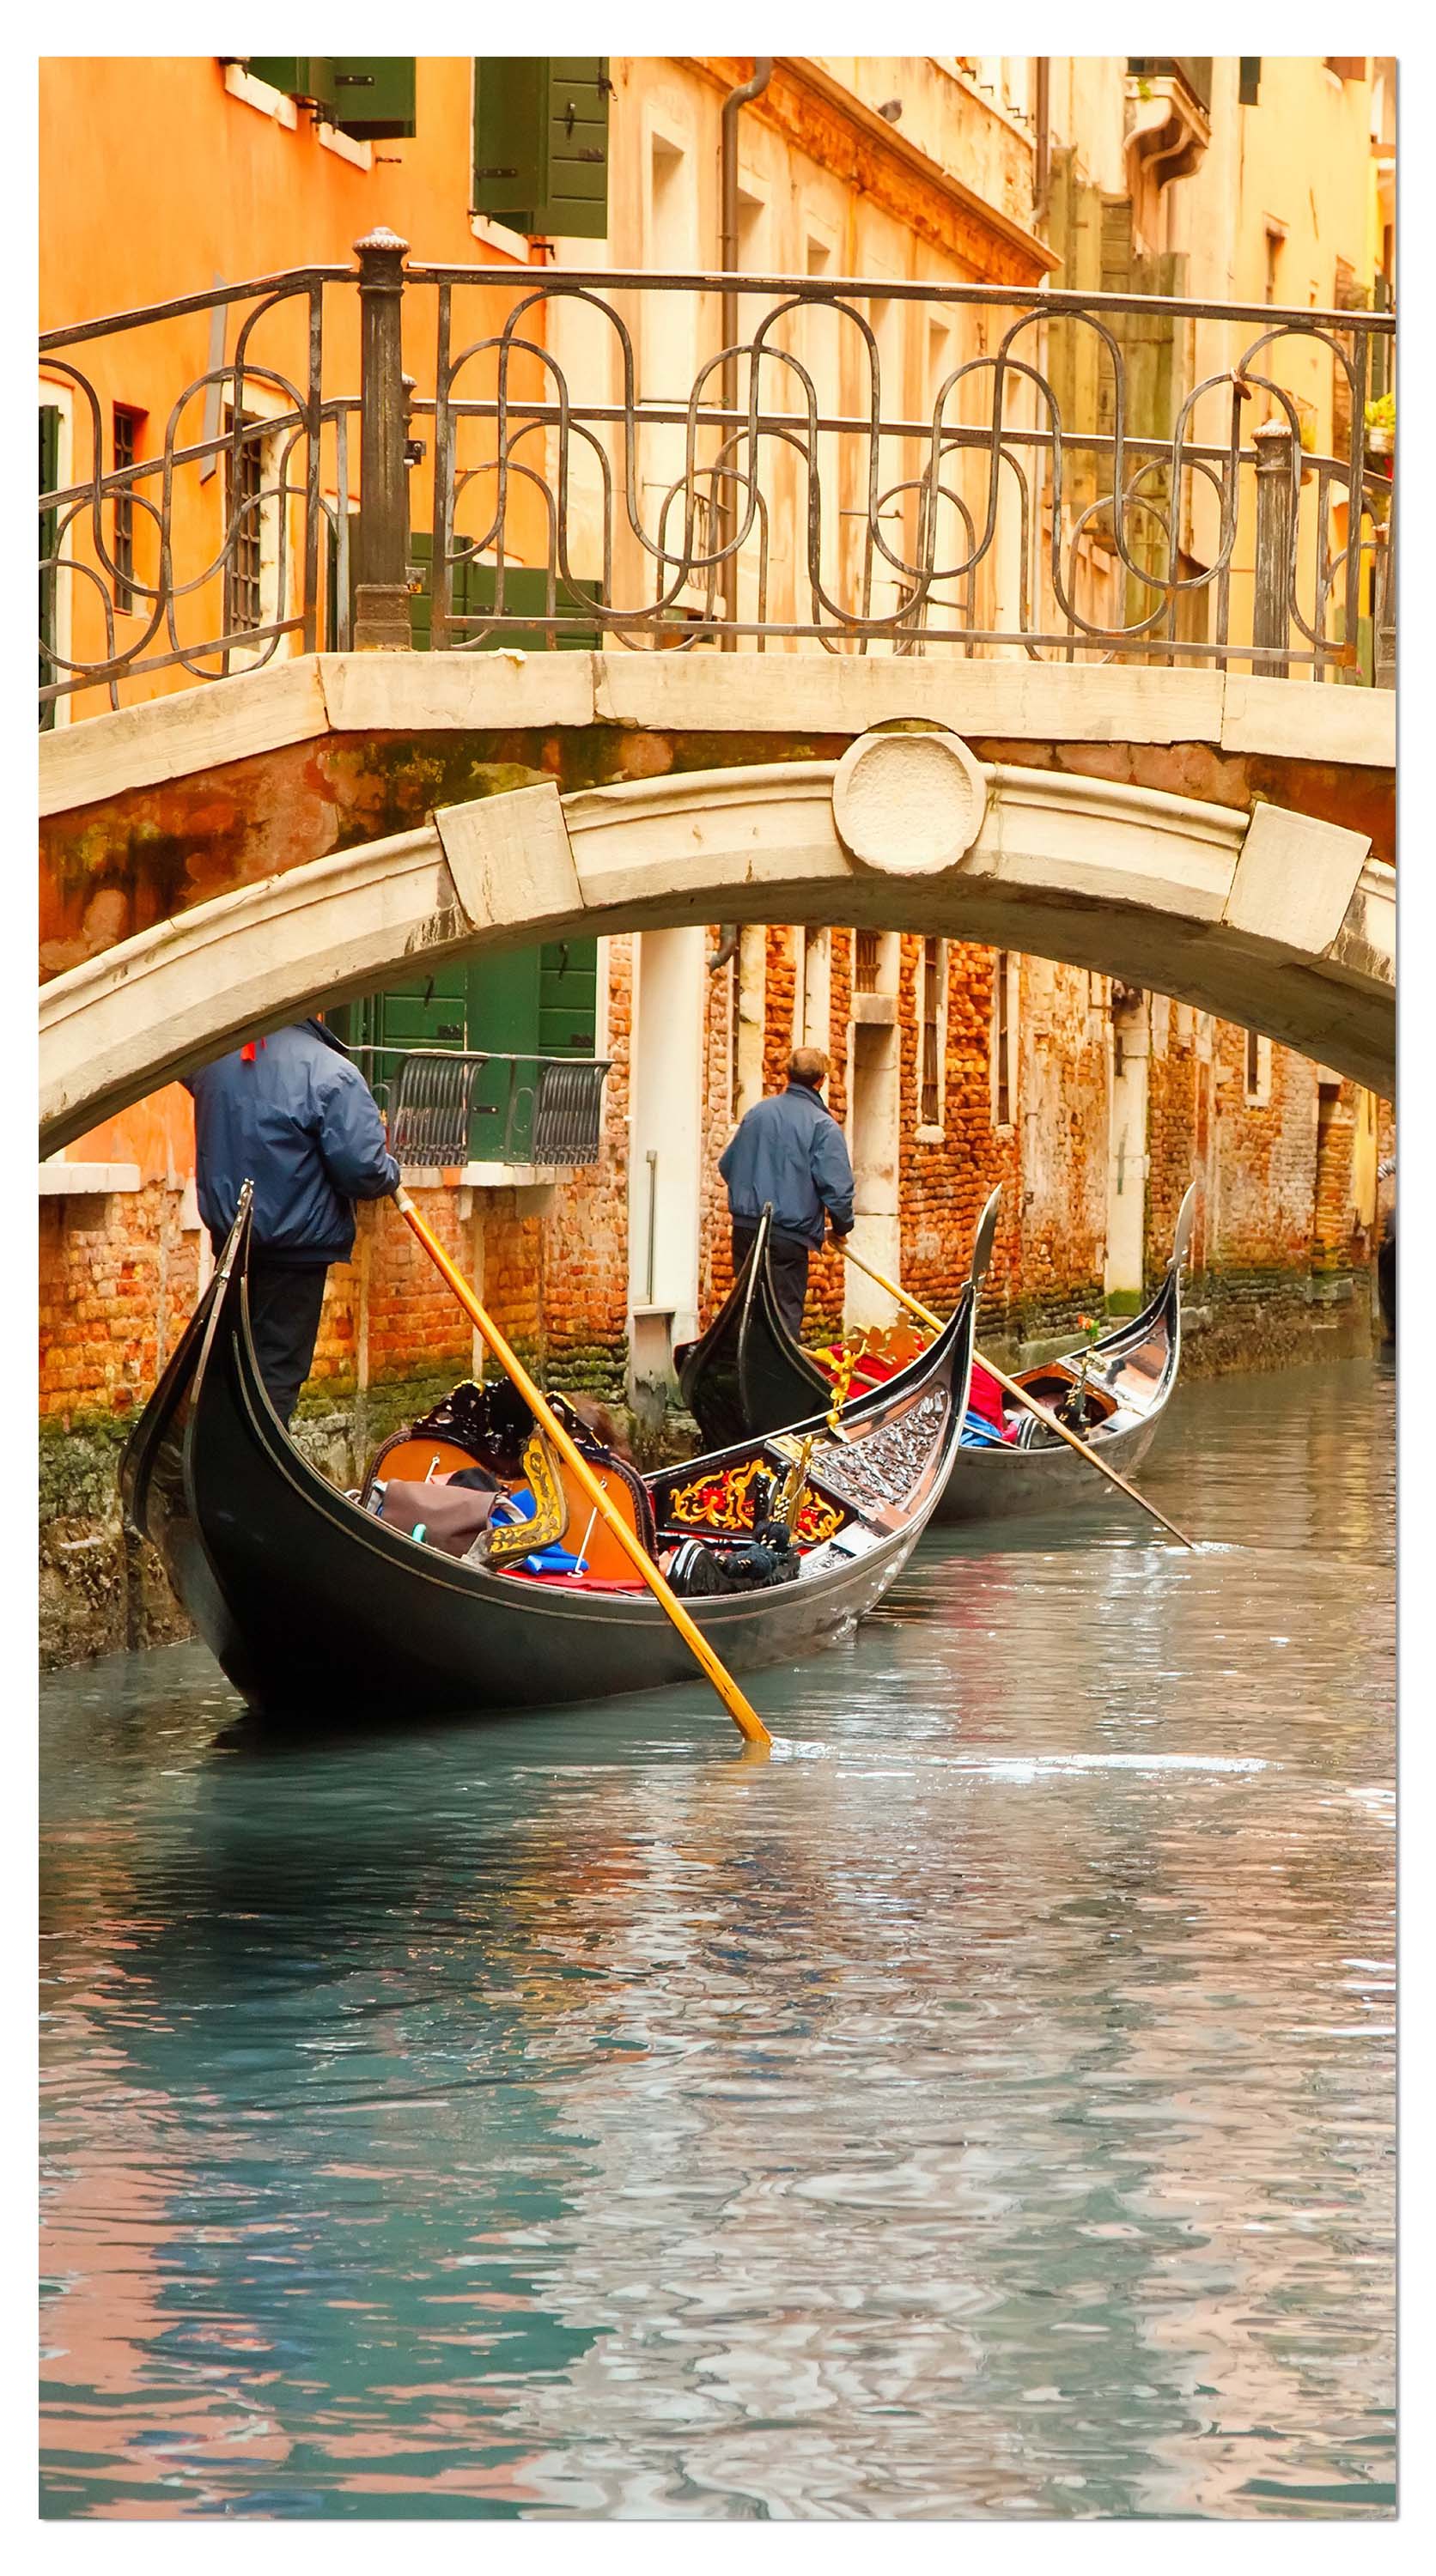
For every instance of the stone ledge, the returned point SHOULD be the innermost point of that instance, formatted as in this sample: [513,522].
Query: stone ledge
[306,696]
[87,1180]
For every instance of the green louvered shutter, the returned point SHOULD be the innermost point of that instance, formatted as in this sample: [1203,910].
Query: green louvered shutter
[371,96]
[374,96]
[541,142]
[576,199]
[508,132]
[306,76]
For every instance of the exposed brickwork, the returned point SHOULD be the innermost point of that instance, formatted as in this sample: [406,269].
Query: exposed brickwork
[1288,1218]
[118,1276]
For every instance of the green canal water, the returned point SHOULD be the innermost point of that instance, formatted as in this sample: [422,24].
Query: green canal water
[984,2107]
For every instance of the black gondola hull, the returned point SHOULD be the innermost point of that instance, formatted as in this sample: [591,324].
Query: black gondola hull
[314,1607]
[749,1376]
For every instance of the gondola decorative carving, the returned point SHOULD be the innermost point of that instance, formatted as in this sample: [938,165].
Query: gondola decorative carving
[887,1466]
[724,1502]
[550,1516]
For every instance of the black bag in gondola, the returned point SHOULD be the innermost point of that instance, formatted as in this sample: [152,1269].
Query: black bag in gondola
[699,1572]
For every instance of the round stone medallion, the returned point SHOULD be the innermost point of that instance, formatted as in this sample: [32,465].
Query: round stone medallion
[909,803]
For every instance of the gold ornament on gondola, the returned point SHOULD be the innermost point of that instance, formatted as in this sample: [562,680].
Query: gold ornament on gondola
[725,1503]
[550,1518]
[842,1380]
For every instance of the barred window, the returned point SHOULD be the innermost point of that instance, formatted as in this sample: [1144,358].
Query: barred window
[244,484]
[125,441]
[865,960]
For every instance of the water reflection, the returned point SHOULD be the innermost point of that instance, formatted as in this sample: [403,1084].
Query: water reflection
[982,2108]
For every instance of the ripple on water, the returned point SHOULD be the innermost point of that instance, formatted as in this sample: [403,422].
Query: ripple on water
[982,2108]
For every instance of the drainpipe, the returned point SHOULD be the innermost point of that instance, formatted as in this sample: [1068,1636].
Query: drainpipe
[726,514]
[1042,116]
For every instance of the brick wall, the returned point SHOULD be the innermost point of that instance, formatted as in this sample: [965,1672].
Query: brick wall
[1286,1226]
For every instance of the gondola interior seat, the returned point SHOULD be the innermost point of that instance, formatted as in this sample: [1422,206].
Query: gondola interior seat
[489,1427]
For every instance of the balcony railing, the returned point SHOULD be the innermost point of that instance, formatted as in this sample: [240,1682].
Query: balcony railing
[575,458]
[1194,71]
[447,1107]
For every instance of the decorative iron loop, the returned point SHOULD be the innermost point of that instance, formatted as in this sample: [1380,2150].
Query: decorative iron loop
[588,482]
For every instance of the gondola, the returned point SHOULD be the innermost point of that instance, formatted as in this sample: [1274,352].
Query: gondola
[1127,1379]
[746,1373]
[313,1606]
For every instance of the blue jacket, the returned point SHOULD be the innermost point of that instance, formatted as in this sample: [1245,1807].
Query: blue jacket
[790,1149]
[301,1122]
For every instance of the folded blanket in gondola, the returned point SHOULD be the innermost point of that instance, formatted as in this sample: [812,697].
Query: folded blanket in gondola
[450,1516]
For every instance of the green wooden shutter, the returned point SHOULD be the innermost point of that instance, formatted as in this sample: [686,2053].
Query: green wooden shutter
[374,96]
[567,996]
[577,193]
[541,142]
[371,96]
[49,533]
[304,76]
[526,603]
[508,139]
[531,1001]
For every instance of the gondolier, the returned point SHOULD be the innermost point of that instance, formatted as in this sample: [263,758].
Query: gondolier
[789,1153]
[315,1599]
[293,1114]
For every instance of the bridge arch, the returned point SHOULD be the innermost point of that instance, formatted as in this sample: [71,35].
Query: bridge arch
[1272,918]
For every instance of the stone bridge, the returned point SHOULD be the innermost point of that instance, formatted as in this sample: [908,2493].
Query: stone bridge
[216,863]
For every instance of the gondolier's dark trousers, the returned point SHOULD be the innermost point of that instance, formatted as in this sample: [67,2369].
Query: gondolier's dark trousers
[284,1304]
[787,1267]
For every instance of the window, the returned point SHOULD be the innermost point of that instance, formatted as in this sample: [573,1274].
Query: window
[541,143]
[820,350]
[1275,237]
[126,444]
[867,954]
[1257,1070]
[930,1034]
[368,96]
[244,504]
[1004,1038]
[817,1021]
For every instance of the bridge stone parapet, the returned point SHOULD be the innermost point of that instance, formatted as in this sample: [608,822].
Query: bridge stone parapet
[1267,915]
[150,810]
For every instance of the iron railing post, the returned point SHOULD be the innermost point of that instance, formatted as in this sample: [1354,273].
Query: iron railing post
[1275,446]
[381,539]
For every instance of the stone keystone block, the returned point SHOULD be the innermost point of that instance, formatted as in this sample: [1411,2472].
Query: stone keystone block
[511,859]
[1294,878]
[911,804]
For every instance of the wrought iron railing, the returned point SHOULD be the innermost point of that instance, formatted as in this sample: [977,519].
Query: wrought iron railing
[902,468]
[448,1107]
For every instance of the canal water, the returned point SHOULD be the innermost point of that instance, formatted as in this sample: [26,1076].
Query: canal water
[983,2107]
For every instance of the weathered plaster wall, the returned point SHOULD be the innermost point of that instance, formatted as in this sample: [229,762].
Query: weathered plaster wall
[116,866]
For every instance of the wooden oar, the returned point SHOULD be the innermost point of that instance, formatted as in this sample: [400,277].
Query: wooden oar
[925,1315]
[746,1719]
